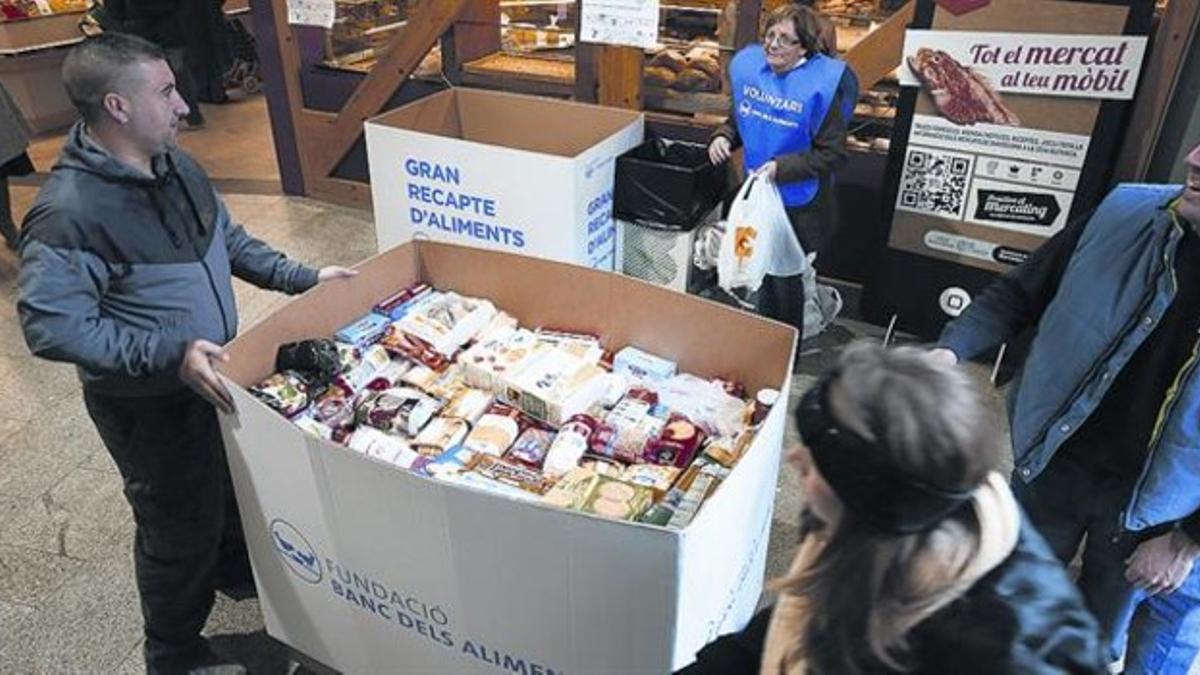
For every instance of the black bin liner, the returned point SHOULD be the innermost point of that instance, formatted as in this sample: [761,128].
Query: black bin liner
[666,185]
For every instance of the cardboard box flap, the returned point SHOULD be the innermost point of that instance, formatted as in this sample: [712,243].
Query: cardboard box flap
[542,125]
[435,114]
[537,124]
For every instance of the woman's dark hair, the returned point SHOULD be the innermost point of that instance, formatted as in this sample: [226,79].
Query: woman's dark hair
[868,589]
[806,22]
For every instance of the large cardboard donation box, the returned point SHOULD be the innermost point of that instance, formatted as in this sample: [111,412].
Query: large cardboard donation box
[370,569]
[521,174]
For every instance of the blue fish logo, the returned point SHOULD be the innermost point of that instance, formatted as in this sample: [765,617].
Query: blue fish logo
[296,552]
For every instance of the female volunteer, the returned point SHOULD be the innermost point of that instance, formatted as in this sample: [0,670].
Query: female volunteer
[790,105]
[917,558]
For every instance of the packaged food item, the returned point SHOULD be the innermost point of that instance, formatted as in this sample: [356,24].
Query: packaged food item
[614,498]
[382,446]
[495,432]
[468,404]
[678,443]
[582,346]
[570,490]
[390,375]
[569,445]
[656,477]
[448,382]
[398,410]
[420,376]
[450,462]
[764,400]
[401,302]
[448,322]
[335,410]
[362,366]
[363,332]
[487,362]
[556,387]
[704,402]
[441,434]
[639,365]
[693,498]
[510,473]
[286,392]
[401,344]
[658,514]
[477,481]
[500,325]
[728,451]
[602,465]
[628,427]
[531,447]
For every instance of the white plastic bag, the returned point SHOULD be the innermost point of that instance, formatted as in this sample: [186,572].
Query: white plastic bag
[758,239]
[821,302]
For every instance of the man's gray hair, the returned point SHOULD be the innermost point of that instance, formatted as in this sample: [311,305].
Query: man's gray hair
[96,67]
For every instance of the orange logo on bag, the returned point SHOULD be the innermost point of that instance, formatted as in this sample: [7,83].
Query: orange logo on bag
[743,242]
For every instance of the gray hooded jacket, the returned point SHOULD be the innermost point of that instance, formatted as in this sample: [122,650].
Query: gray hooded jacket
[120,270]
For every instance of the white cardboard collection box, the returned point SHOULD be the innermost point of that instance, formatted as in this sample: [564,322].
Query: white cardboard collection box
[370,569]
[506,172]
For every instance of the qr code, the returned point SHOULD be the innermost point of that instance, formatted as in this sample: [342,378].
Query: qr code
[934,182]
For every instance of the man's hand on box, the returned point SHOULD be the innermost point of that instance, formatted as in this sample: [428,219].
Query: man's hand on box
[196,371]
[1161,564]
[335,272]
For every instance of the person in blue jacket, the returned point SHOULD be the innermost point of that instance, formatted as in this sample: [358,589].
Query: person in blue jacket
[1106,414]
[791,103]
[126,262]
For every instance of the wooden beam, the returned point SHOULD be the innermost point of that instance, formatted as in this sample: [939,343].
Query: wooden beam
[749,13]
[474,35]
[402,55]
[879,53]
[1172,41]
[619,80]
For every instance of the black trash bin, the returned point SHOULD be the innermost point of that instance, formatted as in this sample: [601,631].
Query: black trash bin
[666,185]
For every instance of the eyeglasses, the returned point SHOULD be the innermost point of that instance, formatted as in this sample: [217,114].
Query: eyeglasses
[781,40]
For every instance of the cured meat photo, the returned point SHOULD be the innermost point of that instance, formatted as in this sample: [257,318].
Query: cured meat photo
[960,94]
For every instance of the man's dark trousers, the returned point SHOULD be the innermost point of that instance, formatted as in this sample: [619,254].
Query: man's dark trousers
[171,457]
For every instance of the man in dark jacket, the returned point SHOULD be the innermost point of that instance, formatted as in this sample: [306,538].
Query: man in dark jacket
[126,258]
[1105,438]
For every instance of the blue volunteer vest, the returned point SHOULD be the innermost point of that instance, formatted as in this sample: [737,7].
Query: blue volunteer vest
[780,114]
